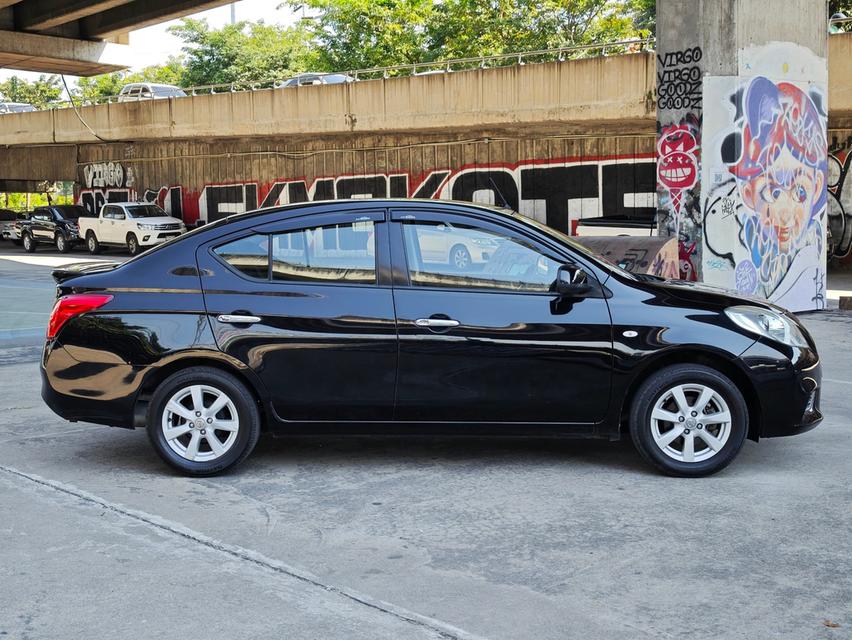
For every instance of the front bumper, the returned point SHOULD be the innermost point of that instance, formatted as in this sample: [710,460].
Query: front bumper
[788,385]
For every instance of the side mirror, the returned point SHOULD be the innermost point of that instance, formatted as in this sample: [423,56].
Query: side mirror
[571,280]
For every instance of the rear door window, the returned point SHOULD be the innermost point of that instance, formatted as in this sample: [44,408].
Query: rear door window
[343,253]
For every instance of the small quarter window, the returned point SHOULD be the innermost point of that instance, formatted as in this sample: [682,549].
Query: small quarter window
[249,256]
[335,253]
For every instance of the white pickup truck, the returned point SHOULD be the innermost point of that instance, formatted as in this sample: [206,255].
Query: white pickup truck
[134,225]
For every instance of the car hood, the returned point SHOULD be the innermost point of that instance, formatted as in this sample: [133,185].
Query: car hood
[158,220]
[708,296]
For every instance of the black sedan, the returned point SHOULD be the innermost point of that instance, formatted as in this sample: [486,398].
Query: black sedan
[353,316]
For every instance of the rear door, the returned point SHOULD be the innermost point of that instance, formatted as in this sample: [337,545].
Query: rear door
[307,303]
[487,341]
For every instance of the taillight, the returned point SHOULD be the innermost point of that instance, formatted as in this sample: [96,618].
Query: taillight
[73,305]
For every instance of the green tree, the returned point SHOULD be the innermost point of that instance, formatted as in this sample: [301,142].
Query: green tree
[240,52]
[351,34]
[109,84]
[38,93]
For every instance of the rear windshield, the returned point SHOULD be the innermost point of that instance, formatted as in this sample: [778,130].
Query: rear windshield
[146,211]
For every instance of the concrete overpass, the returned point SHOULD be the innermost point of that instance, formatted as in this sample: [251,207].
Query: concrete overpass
[80,37]
[560,141]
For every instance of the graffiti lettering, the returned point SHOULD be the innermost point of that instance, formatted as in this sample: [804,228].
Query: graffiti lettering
[679,79]
[555,192]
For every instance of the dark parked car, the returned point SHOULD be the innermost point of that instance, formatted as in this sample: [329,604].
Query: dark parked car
[332,316]
[56,224]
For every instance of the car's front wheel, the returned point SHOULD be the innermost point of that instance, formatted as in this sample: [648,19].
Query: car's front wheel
[203,421]
[689,420]
[132,244]
[62,244]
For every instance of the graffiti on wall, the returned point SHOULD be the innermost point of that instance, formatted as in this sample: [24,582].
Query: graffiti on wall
[679,108]
[840,197]
[764,214]
[556,192]
[679,80]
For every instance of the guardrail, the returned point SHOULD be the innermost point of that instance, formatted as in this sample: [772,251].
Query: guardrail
[559,54]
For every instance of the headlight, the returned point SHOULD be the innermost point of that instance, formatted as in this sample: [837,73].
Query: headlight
[146,227]
[768,324]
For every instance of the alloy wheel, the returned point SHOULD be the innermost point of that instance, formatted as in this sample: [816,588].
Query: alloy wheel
[200,423]
[691,422]
[461,258]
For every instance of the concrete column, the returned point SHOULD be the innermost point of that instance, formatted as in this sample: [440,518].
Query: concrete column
[742,166]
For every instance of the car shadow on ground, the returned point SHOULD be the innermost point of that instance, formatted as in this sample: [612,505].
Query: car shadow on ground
[131,450]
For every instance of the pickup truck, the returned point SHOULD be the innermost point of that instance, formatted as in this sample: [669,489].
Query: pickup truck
[53,224]
[134,225]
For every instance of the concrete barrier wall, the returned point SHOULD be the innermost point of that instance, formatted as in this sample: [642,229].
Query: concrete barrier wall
[553,178]
[565,94]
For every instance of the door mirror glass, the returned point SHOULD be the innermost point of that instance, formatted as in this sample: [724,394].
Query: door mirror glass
[572,280]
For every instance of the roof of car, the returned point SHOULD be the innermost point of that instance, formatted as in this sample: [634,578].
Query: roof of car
[371,203]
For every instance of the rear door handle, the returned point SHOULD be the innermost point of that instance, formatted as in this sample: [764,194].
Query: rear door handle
[237,319]
[439,323]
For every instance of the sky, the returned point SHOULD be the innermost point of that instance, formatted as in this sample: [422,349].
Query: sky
[153,45]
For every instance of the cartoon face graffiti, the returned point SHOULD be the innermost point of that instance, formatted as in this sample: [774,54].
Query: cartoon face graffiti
[677,166]
[781,174]
[783,198]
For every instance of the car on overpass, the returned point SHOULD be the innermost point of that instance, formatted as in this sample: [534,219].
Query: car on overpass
[327,316]
[15,107]
[132,225]
[310,79]
[149,91]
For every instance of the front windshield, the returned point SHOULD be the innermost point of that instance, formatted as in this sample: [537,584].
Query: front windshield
[169,92]
[71,213]
[146,211]
[564,238]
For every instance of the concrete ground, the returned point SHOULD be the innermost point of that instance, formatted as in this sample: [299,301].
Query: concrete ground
[411,538]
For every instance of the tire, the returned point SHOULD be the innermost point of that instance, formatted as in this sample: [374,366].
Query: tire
[30,243]
[239,410]
[17,242]
[664,443]
[62,244]
[132,244]
[92,243]
[460,257]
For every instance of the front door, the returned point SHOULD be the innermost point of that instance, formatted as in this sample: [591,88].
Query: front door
[307,304]
[485,340]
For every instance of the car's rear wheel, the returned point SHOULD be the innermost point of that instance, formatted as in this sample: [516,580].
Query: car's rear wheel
[62,244]
[203,421]
[92,243]
[689,420]
[30,243]
[132,244]
[460,257]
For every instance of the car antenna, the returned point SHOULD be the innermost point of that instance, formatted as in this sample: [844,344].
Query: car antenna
[505,202]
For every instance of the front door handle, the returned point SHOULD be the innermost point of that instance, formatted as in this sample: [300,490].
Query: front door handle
[237,319]
[436,323]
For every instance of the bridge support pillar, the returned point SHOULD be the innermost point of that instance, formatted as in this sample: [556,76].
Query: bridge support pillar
[741,144]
